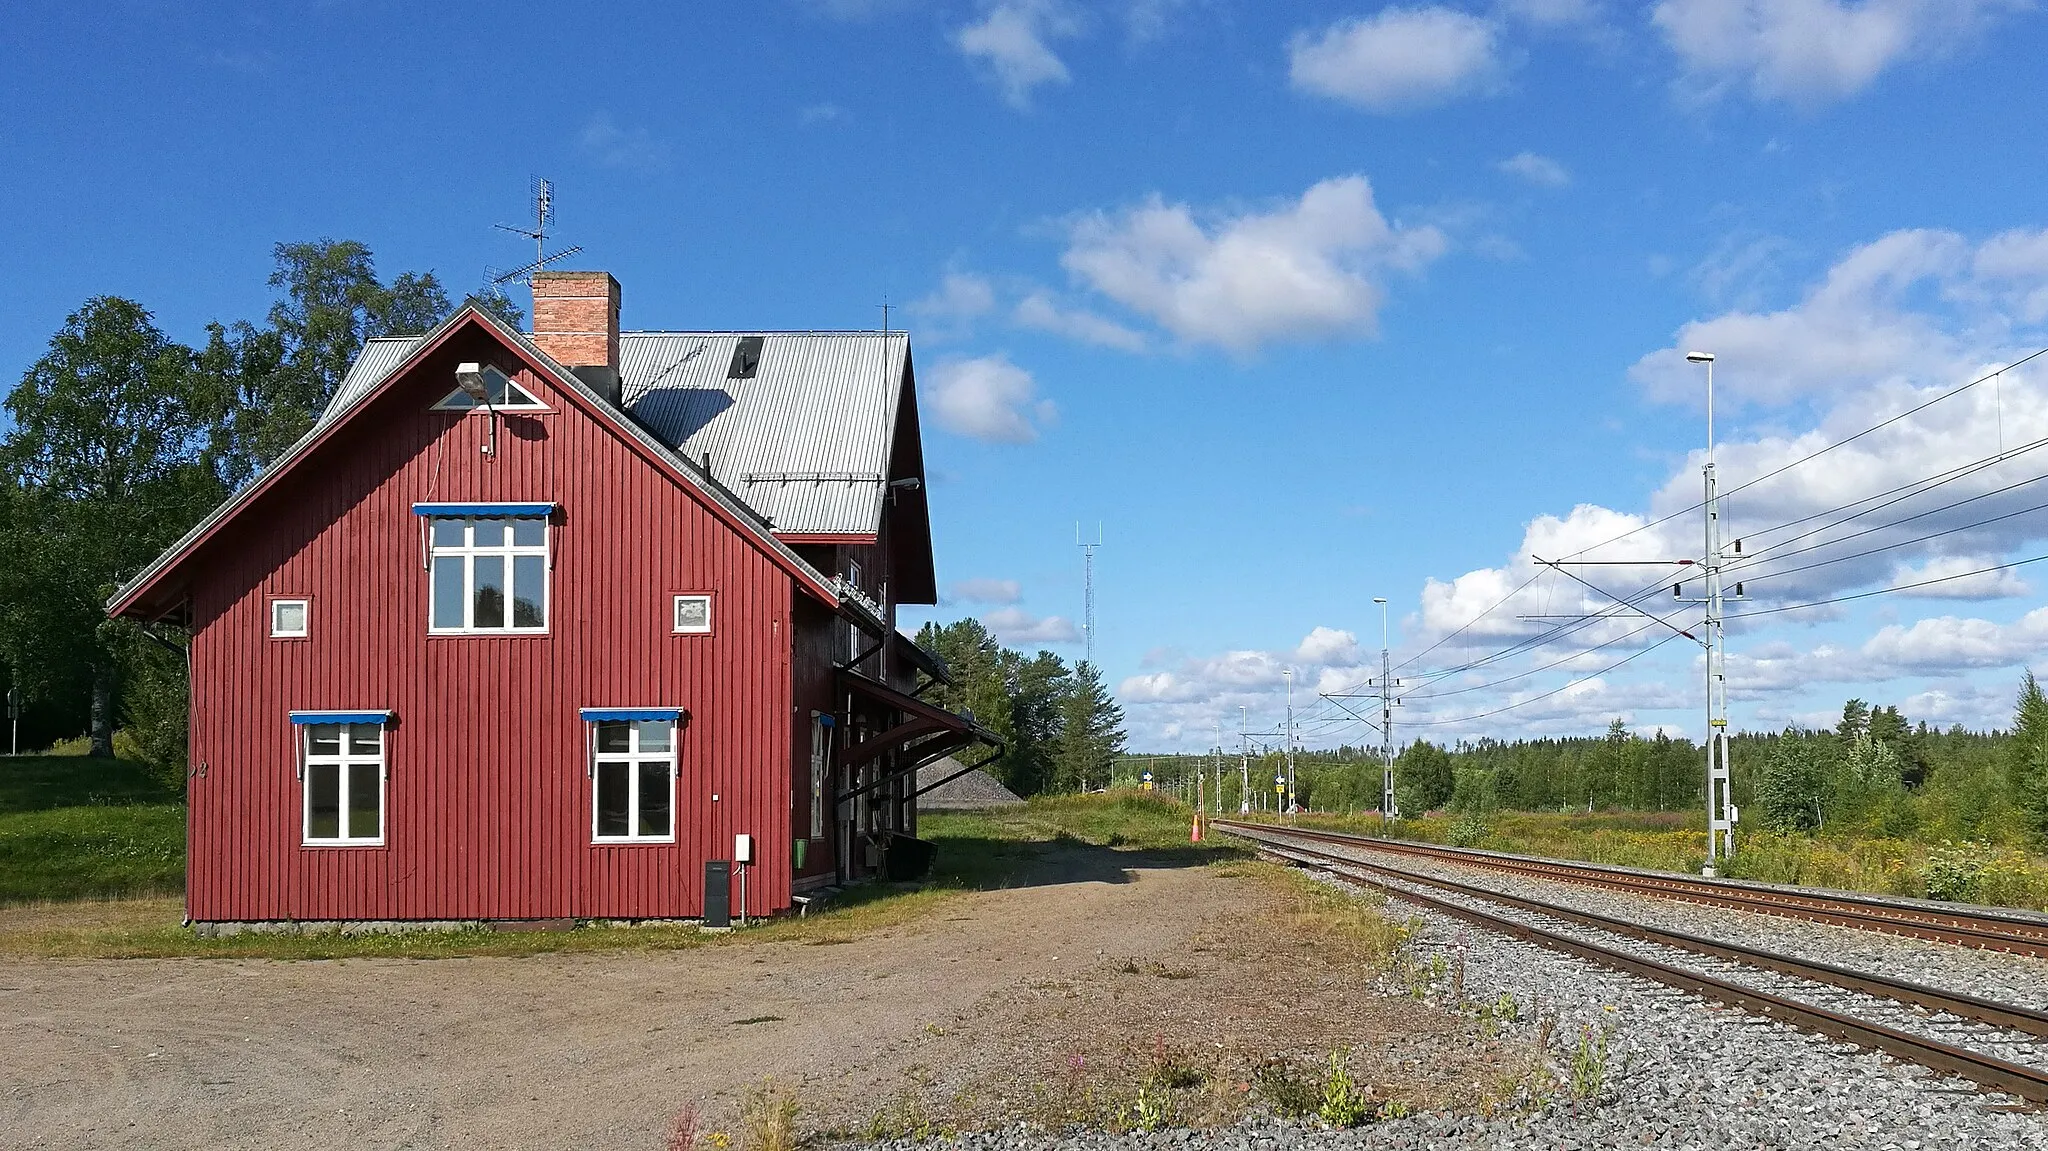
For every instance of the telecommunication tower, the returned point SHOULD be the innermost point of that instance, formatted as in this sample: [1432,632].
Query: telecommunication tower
[1088,594]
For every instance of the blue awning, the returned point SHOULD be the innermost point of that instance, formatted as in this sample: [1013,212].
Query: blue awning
[341,717]
[482,509]
[624,714]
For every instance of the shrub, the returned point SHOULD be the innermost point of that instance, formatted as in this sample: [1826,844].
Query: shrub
[1791,786]
[1344,1104]
[768,1119]
[1286,1089]
[1954,871]
[1470,830]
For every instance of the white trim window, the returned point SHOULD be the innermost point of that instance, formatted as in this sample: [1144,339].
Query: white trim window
[489,574]
[504,395]
[633,785]
[344,784]
[693,615]
[290,619]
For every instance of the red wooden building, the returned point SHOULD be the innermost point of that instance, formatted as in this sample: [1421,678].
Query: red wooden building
[534,627]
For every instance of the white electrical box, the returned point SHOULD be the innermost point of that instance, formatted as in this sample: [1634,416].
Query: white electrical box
[743,849]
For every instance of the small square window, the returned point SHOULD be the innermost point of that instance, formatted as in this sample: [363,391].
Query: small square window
[288,619]
[693,614]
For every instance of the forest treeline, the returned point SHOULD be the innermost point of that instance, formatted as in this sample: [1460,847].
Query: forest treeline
[123,438]
[1062,730]
[1877,772]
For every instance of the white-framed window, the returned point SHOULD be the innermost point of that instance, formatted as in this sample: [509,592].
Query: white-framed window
[821,746]
[633,781]
[290,618]
[505,396]
[489,573]
[693,614]
[342,773]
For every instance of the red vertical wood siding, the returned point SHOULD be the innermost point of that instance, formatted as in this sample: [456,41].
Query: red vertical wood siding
[488,801]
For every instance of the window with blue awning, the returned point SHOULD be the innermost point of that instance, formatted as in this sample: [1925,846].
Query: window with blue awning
[483,509]
[630,714]
[306,717]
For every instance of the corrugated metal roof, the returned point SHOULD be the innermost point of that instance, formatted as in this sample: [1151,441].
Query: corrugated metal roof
[379,358]
[805,441]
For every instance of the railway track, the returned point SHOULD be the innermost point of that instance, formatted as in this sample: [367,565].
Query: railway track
[1864,1008]
[1977,927]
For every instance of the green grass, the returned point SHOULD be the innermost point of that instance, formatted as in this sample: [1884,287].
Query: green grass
[76,828]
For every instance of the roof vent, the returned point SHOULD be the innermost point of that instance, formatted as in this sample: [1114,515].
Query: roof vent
[745,359]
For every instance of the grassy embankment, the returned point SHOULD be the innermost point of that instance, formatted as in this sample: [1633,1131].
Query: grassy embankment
[78,828]
[1671,841]
[75,834]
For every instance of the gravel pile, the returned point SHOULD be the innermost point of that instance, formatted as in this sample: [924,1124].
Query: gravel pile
[975,791]
[1678,1073]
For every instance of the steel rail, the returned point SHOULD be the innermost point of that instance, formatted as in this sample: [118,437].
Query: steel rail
[1959,1004]
[1981,928]
[1997,1074]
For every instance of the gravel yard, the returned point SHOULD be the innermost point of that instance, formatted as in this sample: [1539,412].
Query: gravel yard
[1052,1000]
[1001,1003]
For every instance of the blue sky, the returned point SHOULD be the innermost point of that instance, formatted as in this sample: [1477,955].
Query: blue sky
[1304,303]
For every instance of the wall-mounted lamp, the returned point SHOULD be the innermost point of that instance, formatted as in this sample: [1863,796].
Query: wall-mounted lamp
[471,379]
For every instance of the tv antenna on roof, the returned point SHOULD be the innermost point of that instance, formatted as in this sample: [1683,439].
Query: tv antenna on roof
[543,215]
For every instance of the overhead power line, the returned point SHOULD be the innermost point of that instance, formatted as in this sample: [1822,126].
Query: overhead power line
[1819,452]
[1889,590]
[1546,695]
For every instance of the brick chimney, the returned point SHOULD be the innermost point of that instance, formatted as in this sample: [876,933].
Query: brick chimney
[576,319]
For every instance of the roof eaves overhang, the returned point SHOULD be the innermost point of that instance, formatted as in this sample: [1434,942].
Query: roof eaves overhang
[728,508]
[925,660]
[925,717]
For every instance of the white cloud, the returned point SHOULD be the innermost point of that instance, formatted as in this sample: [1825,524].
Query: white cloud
[1307,269]
[985,590]
[1962,577]
[1919,305]
[824,113]
[950,309]
[989,398]
[1038,310]
[1948,644]
[631,149]
[1542,171]
[1010,42]
[1015,625]
[1396,59]
[1810,51]
[1327,646]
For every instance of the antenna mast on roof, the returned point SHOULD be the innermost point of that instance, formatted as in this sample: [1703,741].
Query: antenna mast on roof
[543,204]
[1088,600]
